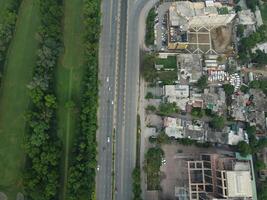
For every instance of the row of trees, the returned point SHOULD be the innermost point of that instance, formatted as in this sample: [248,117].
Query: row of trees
[81,174]
[7,28]
[42,146]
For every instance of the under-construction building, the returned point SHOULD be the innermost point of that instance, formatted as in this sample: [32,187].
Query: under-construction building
[215,177]
[187,18]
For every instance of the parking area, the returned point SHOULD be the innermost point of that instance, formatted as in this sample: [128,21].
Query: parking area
[161,26]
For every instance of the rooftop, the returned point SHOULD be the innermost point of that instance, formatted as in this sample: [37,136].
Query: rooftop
[239,183]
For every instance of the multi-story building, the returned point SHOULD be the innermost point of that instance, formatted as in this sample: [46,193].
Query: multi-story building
[220,177]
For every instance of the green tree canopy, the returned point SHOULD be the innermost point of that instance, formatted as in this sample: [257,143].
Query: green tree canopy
[228,89]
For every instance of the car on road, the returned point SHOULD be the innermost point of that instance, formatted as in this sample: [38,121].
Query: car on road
[107,78]
[112,102]
[98,167]
[108,140]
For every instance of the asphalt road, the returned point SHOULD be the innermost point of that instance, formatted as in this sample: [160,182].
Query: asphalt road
[119,61]
[107,68]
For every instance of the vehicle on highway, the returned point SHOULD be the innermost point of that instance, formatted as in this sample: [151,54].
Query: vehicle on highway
[98,167]
[112,102]
[108,140]
[107,78]
[108,88]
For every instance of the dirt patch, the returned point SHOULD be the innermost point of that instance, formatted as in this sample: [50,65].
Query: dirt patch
[222,38]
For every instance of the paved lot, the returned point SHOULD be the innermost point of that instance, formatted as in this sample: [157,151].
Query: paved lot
[175,169]
[160,28]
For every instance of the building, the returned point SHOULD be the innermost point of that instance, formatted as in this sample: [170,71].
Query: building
[189,68]
[214,99]
[216,176]
[178,94]
[261,46]
[185,17]
[181,128]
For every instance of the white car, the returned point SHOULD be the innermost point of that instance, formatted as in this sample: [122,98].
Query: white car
[98,167]
[112,102]
[108,140]
[107,79]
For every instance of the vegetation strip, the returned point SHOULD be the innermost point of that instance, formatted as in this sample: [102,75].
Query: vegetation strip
[136,174]
[42,144]
[82,171]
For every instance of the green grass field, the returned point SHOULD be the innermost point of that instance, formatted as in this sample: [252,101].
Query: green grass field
[14,98]
[69,76]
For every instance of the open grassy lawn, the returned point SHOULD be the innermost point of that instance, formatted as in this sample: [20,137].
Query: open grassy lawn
[69,77]
[14,98]
[168,63]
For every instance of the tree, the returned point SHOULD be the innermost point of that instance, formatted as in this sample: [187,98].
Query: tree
[260,58]
[217,122]
[260,165]
[202,82]
[244,89]
[151,108]
[197,112]
[168,108]
[240,30]
[228,89]
[149,95]
[237,8]
[254,84]
[252,4]
[243,148]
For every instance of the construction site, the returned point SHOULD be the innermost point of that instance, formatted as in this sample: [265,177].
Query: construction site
[199,28]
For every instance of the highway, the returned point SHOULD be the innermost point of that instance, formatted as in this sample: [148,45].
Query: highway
[107,63]
[119,84]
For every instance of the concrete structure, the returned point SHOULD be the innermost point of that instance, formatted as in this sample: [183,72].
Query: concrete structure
[246,17]
[261,46]
[219,177]
[181,128]
[189,68]
[178,94]
[235,136]
[214,99]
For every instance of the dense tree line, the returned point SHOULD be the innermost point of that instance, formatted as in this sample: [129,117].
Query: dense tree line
[81,174]
[7,28]
[43,147]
